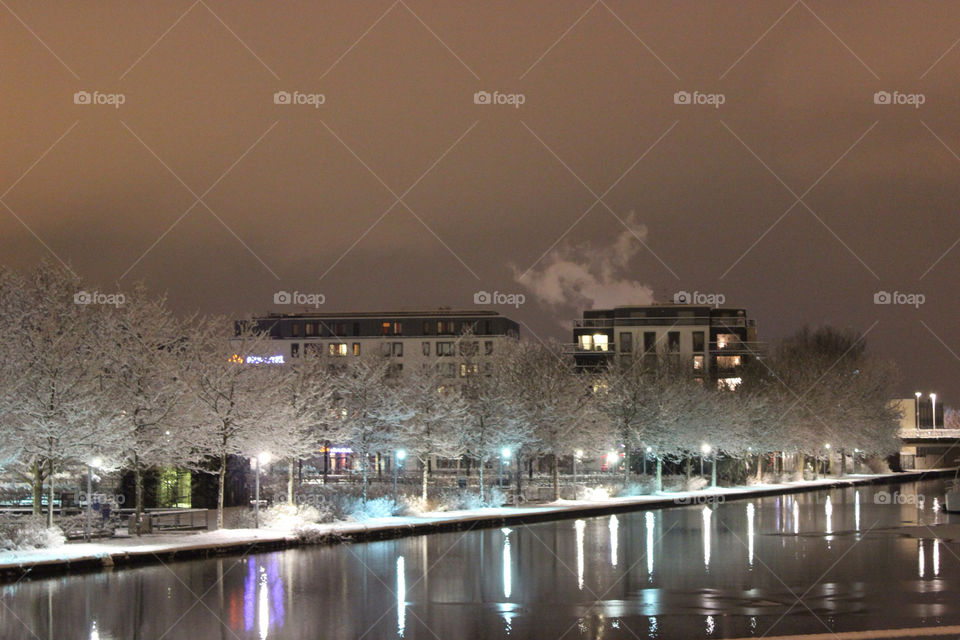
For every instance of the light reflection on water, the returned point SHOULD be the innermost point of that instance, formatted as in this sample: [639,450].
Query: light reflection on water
[621,576]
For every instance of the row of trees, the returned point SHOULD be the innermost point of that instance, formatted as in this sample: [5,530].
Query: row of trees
[141,389]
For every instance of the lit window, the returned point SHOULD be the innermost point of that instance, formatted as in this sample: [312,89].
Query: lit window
[337,349]
[729,384]
[698,363]
[356,348]
[385,328]
[725,340]
[600,342]
[586,343]
[728,362]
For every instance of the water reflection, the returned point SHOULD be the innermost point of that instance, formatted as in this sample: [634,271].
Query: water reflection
[614,540]
[648,519]
[936,557]
[707,513]
[579,525]
[750,509]
[856,510]
[796,517]
[711,625]
[507,571]
[401,596]
[828,511]
[920,565]
[263,595]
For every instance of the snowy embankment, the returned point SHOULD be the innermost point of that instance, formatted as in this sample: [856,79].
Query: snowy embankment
[163,547]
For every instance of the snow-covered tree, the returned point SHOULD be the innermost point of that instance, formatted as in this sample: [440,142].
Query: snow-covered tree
[435,408]
[370,410]
[233,395]
[63,412]
[143,344]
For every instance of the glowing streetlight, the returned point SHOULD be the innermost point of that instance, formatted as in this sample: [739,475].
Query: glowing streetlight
[916,405]
[577,456]
[933,409]
[262,458]
[504,455]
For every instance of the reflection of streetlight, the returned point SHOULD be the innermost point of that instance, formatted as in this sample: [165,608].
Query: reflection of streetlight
[399,455]
[933,409]
[264,459]
[504,453]
[916,404]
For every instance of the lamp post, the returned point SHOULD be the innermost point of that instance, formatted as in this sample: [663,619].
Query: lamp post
[646,454]
[704,451]
[90,466]
[577,455]
[398,457]
[827,447]
[263,458]
[917,394]
[933,409]
[504,454]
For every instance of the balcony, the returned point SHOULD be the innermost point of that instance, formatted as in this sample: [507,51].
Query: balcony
[929,434]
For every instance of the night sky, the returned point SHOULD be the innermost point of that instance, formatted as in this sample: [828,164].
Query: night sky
[799,197]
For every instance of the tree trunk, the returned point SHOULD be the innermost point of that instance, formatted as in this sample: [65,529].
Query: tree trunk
[137,493]
[843,462]
[626,465]
[364,461]
[221,481]
[38,489]
[816,468]
[556,476]
[689,465]
[290,481]
[759,467]
[659,474]
[424,479]
[50,495]
[480,476]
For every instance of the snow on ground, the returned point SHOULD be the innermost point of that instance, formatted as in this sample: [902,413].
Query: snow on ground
[160,543]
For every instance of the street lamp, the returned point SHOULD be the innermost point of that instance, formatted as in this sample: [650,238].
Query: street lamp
[96,462]
[504,454]
[916,404]
[577,456]
[398,457]
[261,459]
[933,409]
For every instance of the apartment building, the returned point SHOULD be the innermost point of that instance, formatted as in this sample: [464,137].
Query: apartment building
[714,342]
[458,343]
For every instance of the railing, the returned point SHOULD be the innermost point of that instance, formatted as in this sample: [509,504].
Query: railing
[930,433]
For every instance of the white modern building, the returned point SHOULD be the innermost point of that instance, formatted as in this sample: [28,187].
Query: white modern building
[458,343]
[714,342]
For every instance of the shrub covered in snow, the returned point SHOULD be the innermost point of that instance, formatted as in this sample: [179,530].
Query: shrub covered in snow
[30,532]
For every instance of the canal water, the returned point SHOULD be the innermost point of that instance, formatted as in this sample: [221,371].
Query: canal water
[877,557]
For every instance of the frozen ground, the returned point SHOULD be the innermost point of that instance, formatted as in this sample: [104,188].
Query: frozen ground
[106,551]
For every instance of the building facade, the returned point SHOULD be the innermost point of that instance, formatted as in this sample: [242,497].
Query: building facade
[926,443]
[714,343]
[458,343]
